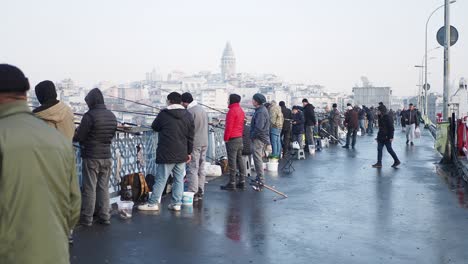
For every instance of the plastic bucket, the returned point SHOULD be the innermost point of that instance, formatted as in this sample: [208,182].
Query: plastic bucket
[125,209]
[187,198]
[272,166]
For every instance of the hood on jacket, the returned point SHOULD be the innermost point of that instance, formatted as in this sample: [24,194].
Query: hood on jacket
[56,113]
[94,98]
[46,95]
[309,105]
[176,110]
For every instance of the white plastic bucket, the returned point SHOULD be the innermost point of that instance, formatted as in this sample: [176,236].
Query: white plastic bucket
[311,149]
[264,166]
[187,198]
[272,166]
[125,209]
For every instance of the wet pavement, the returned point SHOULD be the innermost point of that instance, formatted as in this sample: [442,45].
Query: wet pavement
[339,210]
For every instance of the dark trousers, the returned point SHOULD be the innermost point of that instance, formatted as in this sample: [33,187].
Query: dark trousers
[370,127]
[388,145]
[351,133]
[234,149]
[334,132]
[286,136]
[95,196]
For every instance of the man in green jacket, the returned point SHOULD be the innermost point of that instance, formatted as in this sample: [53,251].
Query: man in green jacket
[39,193]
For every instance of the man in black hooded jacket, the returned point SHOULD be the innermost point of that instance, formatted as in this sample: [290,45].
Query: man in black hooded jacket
[385,137]
[287,126]
[95,134]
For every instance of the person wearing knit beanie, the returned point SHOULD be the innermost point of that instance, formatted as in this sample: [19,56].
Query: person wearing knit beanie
[259,98]
[12,80]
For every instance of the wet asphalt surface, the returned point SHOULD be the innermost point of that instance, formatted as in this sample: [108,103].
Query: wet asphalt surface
[339,210]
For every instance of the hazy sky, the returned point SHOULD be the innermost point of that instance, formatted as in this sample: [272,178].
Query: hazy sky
[332,43]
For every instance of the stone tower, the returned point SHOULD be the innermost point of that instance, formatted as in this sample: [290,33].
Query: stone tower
[228,63]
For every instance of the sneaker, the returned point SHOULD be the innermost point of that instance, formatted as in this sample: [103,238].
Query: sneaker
[241,186]
[345,147]
[412,144]
[407,142]
[377,165]
[229,187]
[104,222]
[85,224]
[174,207]
[148,207]
[396,164]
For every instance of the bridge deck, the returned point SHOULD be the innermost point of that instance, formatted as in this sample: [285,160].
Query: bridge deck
[339,210]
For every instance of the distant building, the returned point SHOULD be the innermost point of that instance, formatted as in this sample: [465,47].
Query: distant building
[228,63]
[371,96]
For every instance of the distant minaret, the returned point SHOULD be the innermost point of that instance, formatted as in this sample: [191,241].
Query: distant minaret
[228,63]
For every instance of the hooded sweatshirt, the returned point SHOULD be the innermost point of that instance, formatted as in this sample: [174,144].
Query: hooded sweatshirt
[97,128]
[175,129]
[200,119]
[59,116]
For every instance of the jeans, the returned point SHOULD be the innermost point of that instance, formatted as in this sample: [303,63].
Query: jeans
[352,132]
[310,135]
[196,174]
[258,150]
[95,196]
[362,126]
[275,138]
[388,145]
[370,127]
[234,151]
[162,174]
[410,132]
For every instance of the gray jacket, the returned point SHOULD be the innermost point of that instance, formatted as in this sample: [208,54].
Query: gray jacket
[260,127]
[200,119]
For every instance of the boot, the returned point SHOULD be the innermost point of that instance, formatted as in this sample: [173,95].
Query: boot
[241,185]
[230,186]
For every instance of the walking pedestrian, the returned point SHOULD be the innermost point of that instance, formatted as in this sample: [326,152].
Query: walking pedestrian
[196,174]
[310,121]
[276,121]
[352,125]
[55,113]
[286,131]
[233,136]
[411,122]
[334,118]
[175,127]
[297,126]
[39,192]
[259,134]
[95,134]
[385,137]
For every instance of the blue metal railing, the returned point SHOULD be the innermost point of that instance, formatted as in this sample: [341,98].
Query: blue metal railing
[137,153]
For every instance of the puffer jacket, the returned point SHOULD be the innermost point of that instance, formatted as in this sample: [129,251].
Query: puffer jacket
[298,123]
[386,128]
[175,127]
[276,116]
[234,122]
[59,116]
[260,126]
[97,128]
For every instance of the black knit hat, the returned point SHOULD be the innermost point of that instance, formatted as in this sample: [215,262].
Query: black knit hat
[382,108]
[334,105]
[45,92]
[187,98]
[259,98]
[234,98]
[12,79]
[282,103]
[174,98]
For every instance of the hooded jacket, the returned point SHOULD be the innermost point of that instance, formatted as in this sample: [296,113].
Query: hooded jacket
[39,192]
[309,115]
[59,116]
[298,123]
[386,128]
[200,120]
[260,125]
[175,129]
[97,128]
[234,122]
[276,116]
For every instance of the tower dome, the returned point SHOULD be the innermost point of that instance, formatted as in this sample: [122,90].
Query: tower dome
[228,62]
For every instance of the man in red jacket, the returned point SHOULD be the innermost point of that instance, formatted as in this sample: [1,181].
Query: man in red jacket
[234,144]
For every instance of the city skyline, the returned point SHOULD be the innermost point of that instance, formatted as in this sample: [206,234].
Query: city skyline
[332,43]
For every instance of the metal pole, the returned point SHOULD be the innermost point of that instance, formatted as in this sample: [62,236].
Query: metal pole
[447,60]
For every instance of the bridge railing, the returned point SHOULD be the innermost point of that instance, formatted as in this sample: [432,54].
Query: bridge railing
[134,153]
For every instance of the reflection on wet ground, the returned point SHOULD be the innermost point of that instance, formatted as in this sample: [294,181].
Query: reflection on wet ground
[339,210]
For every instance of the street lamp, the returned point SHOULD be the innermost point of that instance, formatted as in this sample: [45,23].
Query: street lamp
[425,63]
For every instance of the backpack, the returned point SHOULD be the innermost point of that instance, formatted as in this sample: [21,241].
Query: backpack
[140,190]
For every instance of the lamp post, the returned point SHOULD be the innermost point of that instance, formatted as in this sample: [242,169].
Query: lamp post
[447,3]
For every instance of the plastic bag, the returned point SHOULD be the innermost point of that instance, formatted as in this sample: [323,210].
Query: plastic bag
[417,133]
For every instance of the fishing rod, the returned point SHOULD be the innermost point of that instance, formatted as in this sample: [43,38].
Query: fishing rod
[131,101]
[212,108]
[118,120]
[136,113]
